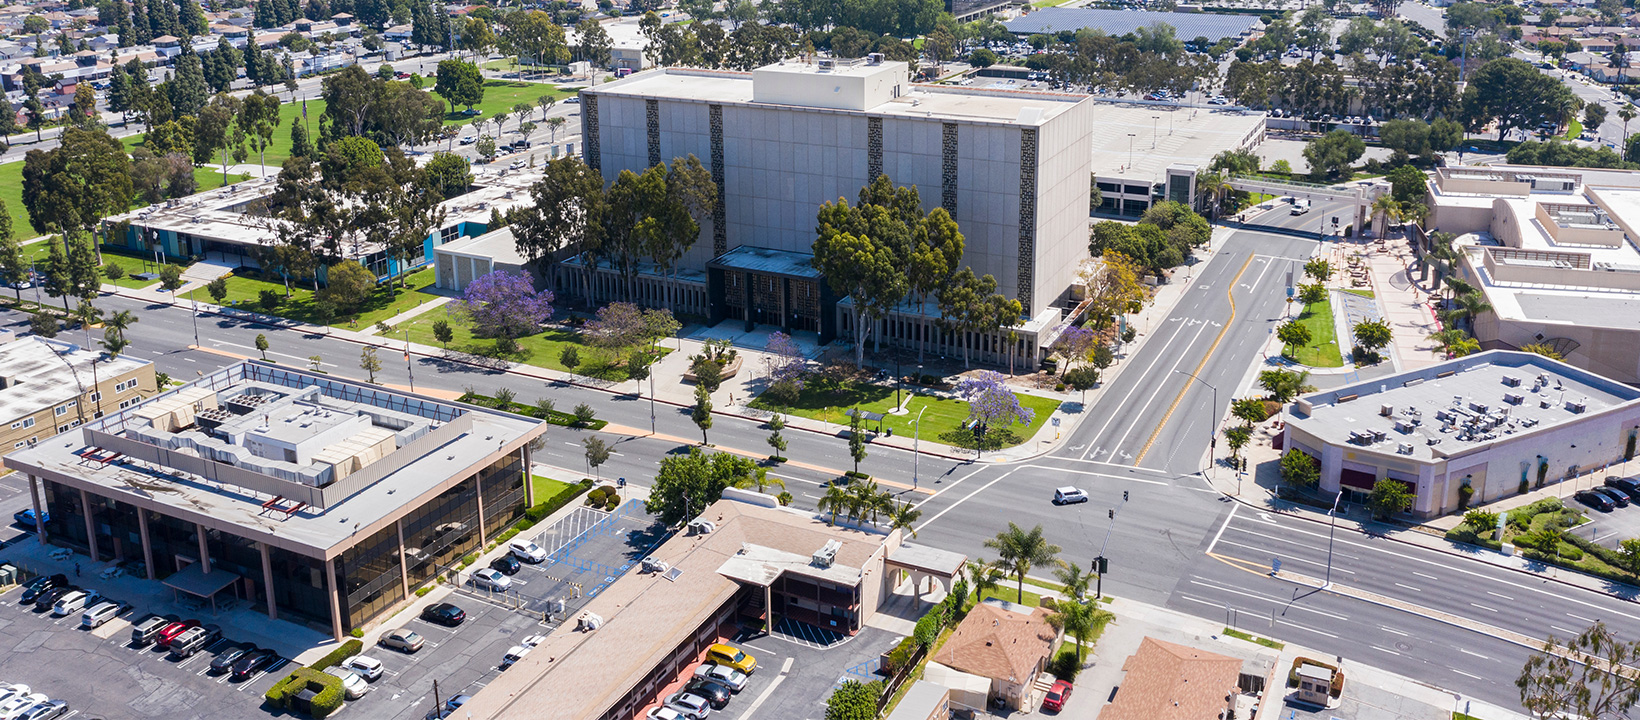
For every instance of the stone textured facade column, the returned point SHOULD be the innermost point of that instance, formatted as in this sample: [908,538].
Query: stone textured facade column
[204,548]
[90,525]
[39,513]
[267,581]
[147,545]
[333,589]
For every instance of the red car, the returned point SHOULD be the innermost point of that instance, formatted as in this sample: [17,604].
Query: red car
[170,632]
[1057,695]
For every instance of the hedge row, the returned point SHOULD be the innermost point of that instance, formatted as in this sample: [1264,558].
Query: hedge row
[326,701]
[342,652]
[553,417]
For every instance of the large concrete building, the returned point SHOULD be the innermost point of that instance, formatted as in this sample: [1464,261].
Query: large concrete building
[49,387]
[1555,252]
[322,500]
[1012,167]
[1497,421]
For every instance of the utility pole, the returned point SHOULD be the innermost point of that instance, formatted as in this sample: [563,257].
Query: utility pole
[1213,427]
[1333,515]
[916,443]
[1102,563]
[408,367]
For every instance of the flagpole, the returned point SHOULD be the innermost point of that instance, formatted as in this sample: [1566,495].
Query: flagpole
[407,365]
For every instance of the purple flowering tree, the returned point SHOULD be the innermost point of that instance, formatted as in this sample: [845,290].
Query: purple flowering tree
[786,362]
[505,305]
[617,327]
[1076,344]
[991,403]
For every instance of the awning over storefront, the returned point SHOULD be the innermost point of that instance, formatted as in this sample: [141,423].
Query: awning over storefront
[193,580]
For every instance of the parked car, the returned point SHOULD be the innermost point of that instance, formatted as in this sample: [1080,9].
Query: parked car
[472,112]
[491,579]
[368,668]
[690,705]
[49,598]
[449,708]
[253,661]
[1616,496]
[1057,695]
[193,640]
[9,692]
[102,612]
[172,631]
[532,640]
[74,602]
[16,706]
[516,165]
[148,629]
[1595,500]
[41,585]
[576,100]
[403,640]
[25,517]
[353,686]
[514,654]
[715,692]
[731,656]
[527,551]
[469,139]
[664,713]
[506,564]
[48,710]
[731,678]
[224,661]
[1068,495]
[1629,486]
[444,614]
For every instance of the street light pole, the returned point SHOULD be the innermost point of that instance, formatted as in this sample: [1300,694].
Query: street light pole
[1333,515]
[916,443]
[651,401]
[1213,427]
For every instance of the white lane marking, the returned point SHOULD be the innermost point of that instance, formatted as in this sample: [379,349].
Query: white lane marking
[1471,652]
[1483,607]
[1460,672]
[1267,598]
[1160,386]
[1580,617]
[1564,630]
[1306,629]
[1289,559]
[1098,474]
[1177,329]
[1501,595]
[1295,542]
[1387,650]
[1422,575]
[1232,516]
[1393,630]
[785,668]
[1409,587]
[964,499]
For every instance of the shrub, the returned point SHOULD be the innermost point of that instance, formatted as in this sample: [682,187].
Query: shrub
[899,656]
[328,700]
[270,299]
[329,691]
[612,502]
[583,414]
[342,652]
[113,271]
[1064,664]
[608,490]
[1048,603]
[596,497]
[506,535]
[784,498]
[357,632]
[423,590]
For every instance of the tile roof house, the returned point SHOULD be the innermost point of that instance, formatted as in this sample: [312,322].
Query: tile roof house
[1009,644]
[1168,681]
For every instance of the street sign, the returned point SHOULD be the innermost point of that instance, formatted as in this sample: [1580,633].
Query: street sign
[1056,422]
[1275,566]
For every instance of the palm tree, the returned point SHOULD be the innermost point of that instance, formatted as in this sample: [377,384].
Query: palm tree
[759,480]
[1077,620]
[837,498]
[1389,207]
[1473,304]
[1073,578]
[1019,550]
[1214,185]
[984,577]
[903,517]
[869,501]
[1626,113]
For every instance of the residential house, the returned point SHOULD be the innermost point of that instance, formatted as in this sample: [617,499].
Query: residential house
[1006,643]
[1168,681]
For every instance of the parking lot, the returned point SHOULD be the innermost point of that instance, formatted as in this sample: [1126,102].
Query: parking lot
[1607,528]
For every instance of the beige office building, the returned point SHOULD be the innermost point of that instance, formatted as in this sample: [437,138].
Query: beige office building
[49,387]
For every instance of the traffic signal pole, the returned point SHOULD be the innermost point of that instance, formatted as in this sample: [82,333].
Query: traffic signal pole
[1101,564]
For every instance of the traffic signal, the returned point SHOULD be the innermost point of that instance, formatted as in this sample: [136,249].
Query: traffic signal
[1100,565]
[1112,512]
[1124,496]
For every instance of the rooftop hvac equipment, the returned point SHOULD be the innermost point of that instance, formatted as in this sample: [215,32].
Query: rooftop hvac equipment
[1386,410]
[1403,426]
[1511,381]
[827,65]
[1361,437]
[1404,448]
[1513,398]
[1478,407]
[826,555]
[874,58]
[1579,406]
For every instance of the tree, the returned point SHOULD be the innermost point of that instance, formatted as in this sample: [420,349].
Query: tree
[1299,470]
[460,83]
[1294,334]
[442,332]
[1373,334]
[686,484]
[836,499]
[1626,113]
[856,438]
[43,324]
[1331,156]
[1588,676]
[1388,497]
[593,44]
[854,700]
[990,402]
[506,304]
[1237,438]
[369,362]
[1073,578]
[1312,293]
[1284,385]
[1543,349]
[1078,620]
[1319,269]
[1594,115]
[86,178]
[701,413]
[1515,95]
[597,452]
[985,577]
[262,345]
[348,285]
[904,517]
[1082,380]
[1020,550]
[1248,410]
[187,89]
[14,268]
[1114,286]
[170,277]
[776,441]
[55,271]
[982,58]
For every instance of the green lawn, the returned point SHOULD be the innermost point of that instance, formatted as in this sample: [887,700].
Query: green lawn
[1323,348]
[541,350]
[501,95]
[1574,130]
[1362,293]
[11,190]
[1009,591]
[546,488]
[1266,642]
[943,420]
[131,264]
[383,304]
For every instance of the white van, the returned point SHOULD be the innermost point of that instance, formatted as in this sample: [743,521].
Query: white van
[75,602]
[1300,207]
[95,616]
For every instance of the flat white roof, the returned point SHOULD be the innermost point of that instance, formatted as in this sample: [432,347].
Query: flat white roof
[1163,135]
[38,374]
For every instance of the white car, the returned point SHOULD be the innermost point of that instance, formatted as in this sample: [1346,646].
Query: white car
[514,654]
[21,704]
[95,616]
[527,551]
[368,668]
[690,705]
[516,165]
[11,692]
[1067,495]
[664,713]
[74,602]
[353,686]
[733,679]
[469,139]
[491,579]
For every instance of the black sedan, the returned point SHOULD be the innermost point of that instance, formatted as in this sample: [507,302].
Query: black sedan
[1627,486]
[250,662]
[224,662]
[41,585]
[715,692]
[1615,495]
[1595,500]
[444,614]
[50,597]
[506,565]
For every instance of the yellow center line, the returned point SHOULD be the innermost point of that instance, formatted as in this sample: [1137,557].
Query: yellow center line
[1175,406]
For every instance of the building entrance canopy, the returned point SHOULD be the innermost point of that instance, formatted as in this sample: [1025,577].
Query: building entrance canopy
[194,580]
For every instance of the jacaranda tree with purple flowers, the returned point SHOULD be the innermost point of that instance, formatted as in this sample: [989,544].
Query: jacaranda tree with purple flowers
[1076,344]
[991,403]
[505,305]
[785,360]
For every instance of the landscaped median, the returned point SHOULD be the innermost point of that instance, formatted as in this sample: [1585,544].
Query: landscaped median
[1539,532]
[1322,349]
[288,694]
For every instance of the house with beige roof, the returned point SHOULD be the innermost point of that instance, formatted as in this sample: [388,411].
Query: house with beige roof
[1168,681]
[1007,643]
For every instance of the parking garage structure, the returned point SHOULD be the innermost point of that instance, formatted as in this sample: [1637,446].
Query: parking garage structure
[1499,422]
[321,500]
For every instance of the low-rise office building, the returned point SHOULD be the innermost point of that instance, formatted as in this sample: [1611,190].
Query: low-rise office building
[323,500]
[752,562]
[1497,422]
[49,387]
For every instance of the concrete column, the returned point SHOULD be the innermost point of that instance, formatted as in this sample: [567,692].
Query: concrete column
[478,494]
[267,581]
[404,568]
[90,525]
[529,483]
[768,608]
[204,549]
[39,513]
[147,545]
[333,589]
